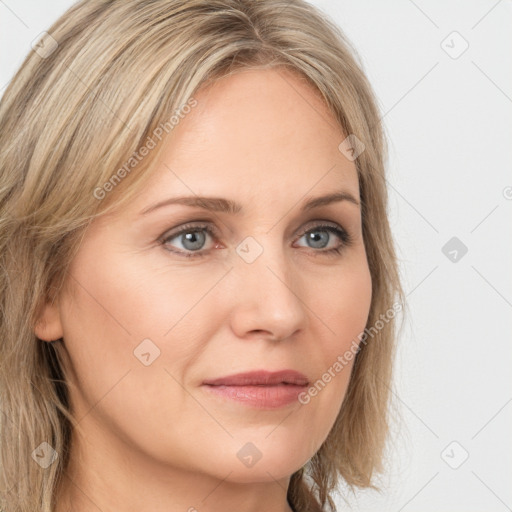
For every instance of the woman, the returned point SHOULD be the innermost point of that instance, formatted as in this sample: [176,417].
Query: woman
[198,278]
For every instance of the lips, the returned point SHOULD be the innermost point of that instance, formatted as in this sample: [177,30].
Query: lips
[260,378]
[258,389]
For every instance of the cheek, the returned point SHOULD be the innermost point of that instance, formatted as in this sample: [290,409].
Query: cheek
[345,307]
[112,306]
[343,310]
[130,297]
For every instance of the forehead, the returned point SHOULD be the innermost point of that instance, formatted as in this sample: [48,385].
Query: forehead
[263,134]
[257,109]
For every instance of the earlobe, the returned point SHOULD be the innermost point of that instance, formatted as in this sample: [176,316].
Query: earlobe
[48,326]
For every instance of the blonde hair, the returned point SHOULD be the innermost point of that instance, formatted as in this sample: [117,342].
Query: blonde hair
[77,112]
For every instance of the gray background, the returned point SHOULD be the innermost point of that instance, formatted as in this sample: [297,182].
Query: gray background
[448,116]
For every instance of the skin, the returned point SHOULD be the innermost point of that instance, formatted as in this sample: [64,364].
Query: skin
[152,438]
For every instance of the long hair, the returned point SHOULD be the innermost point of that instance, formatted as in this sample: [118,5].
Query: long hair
[105,80]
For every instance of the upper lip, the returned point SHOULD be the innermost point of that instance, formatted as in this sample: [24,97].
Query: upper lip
[260,378]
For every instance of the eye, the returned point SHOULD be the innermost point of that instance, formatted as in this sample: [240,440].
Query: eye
[192,238]
[319,237]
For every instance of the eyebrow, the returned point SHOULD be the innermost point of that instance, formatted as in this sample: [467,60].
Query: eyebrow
[219,204]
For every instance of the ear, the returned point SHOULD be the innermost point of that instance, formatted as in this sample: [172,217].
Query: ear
[48,326]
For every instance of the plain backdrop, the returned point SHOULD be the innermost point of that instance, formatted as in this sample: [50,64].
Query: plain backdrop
[442,71]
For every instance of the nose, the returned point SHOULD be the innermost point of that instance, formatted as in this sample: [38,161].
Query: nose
[268,297]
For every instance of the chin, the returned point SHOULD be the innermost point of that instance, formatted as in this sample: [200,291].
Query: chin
[268,471]
[259,460]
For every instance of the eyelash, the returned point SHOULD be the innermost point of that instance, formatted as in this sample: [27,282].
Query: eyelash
[345,237]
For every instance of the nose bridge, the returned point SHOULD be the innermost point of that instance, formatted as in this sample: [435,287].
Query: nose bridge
[270,299]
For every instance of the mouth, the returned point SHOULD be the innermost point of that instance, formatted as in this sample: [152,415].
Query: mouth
[259,389]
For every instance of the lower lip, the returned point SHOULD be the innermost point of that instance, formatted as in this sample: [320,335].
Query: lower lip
[261,397]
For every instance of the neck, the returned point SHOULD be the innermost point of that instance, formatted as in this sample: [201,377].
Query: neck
[112,477]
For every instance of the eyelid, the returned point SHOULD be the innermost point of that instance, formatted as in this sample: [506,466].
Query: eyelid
[315,223]
[210,225]
[190,226]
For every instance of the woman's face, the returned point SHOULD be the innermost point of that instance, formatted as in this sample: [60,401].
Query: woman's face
[149,315]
